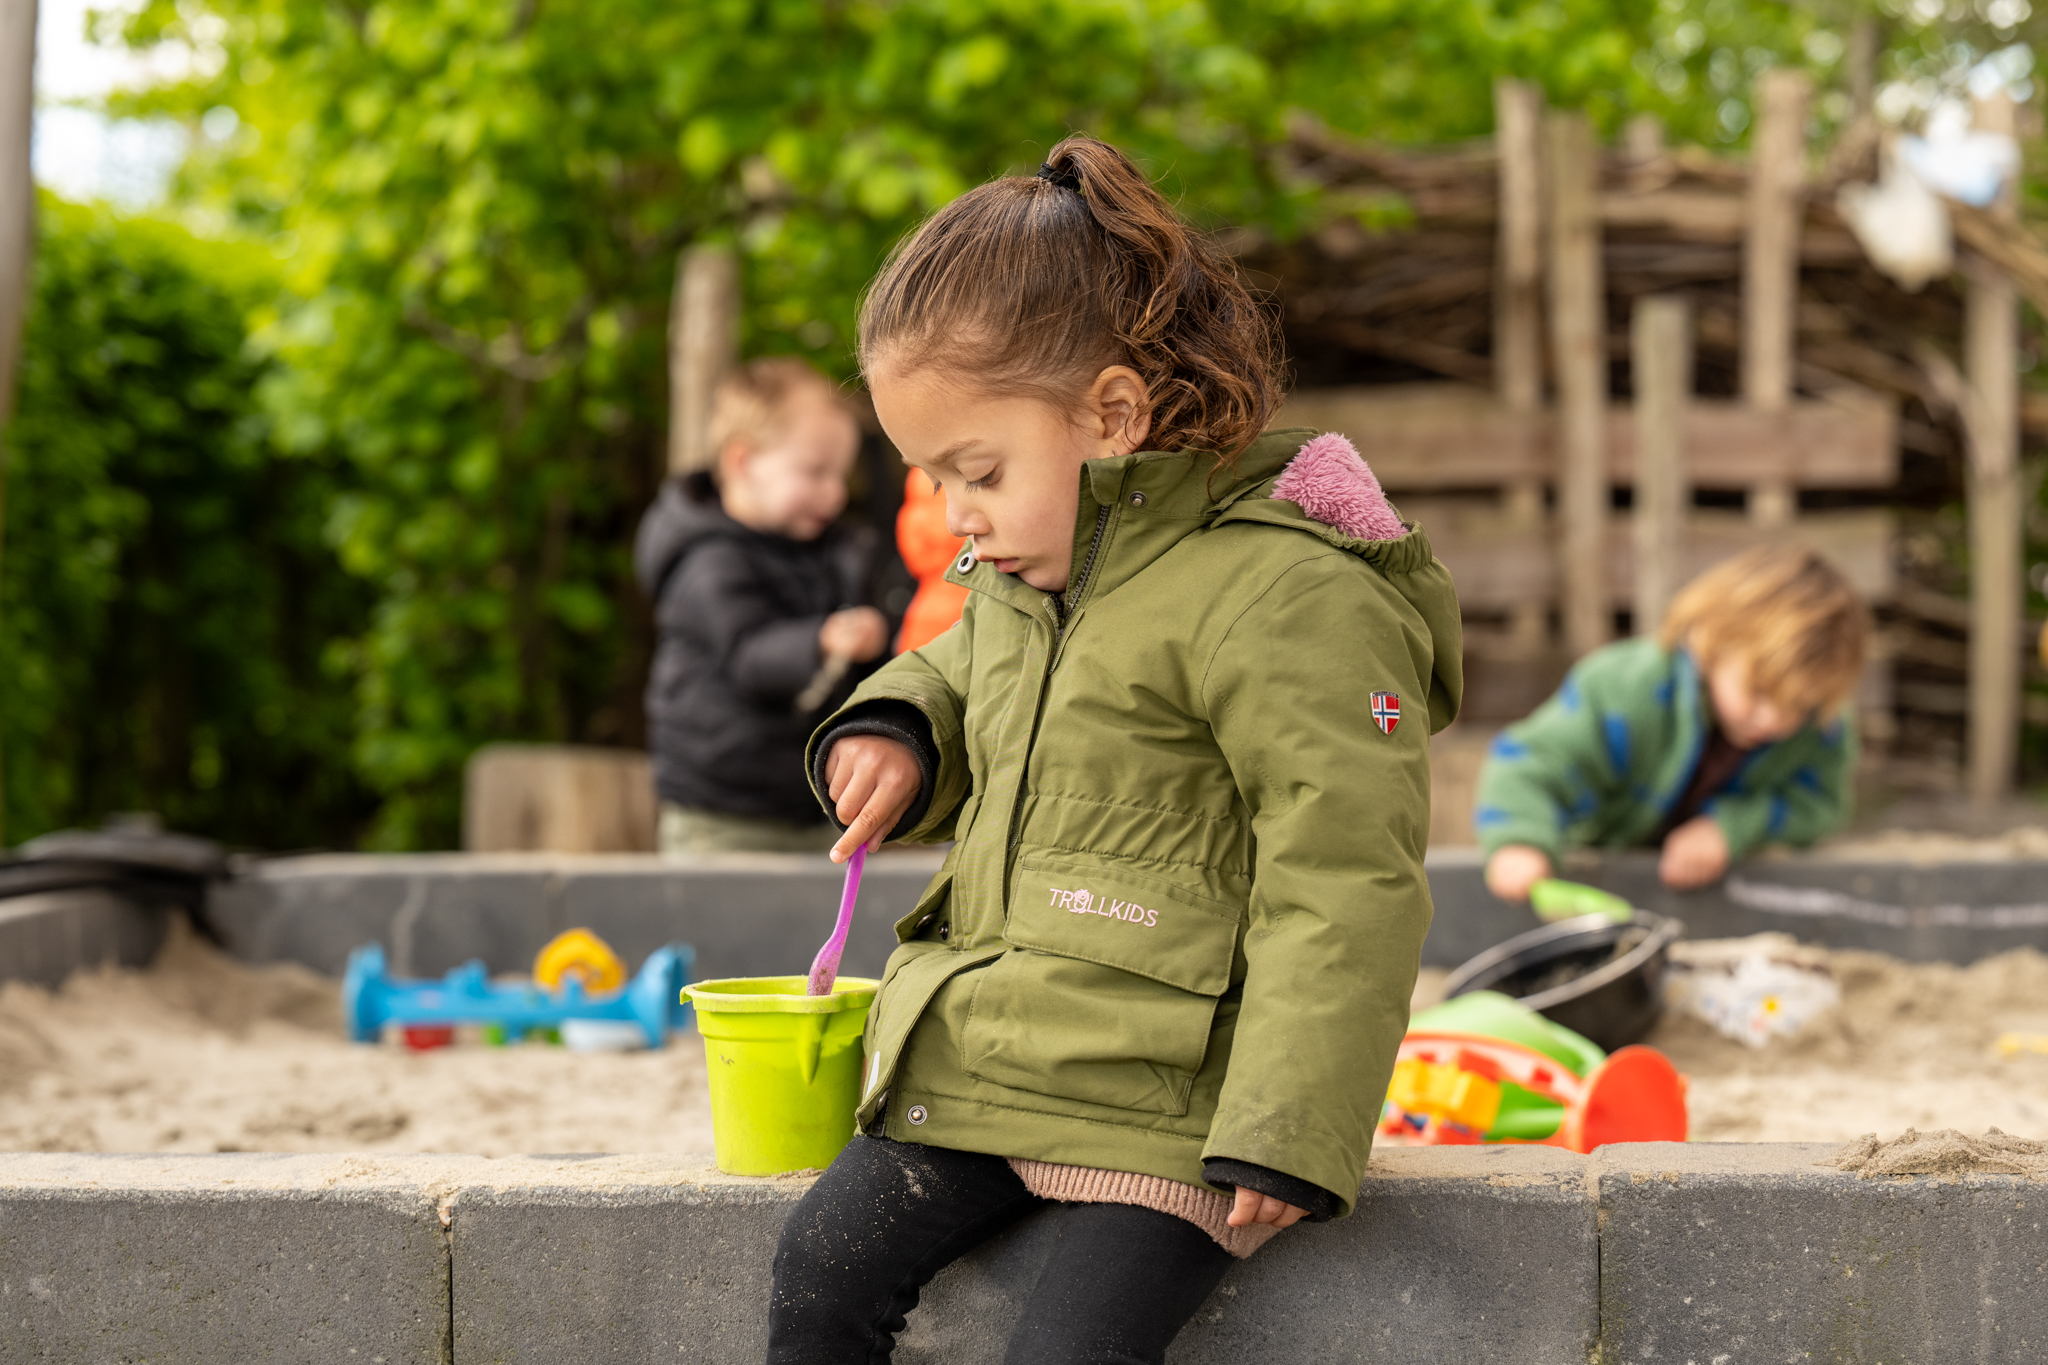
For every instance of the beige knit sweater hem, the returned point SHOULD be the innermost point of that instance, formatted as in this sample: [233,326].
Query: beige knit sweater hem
[1206,1209]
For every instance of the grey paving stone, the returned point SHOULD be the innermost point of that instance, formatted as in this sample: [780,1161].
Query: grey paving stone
[616,1259]
[234,1258]
[1739,1252]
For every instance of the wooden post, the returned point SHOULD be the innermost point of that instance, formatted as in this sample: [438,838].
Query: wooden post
[17,222]
[1578,332]
[1770,265]
[1518,315]
[703,343]
[1661,339]
[1991,359]
[1642,139]
[1866,45]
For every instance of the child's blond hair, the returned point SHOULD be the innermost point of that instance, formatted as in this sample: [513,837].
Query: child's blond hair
[1785,612]
[753,403]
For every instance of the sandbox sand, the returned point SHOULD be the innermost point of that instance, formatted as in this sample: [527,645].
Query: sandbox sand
[200,1053]
[1912,1045]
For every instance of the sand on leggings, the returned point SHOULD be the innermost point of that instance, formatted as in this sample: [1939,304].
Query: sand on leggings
[202,1053]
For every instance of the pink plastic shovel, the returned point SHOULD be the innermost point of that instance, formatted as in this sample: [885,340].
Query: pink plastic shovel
[825,967]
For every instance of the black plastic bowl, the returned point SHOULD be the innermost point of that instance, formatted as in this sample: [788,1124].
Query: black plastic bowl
[1598,978]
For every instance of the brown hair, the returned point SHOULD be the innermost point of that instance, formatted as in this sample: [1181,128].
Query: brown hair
[753,403]
[1784,611]
[1034,284]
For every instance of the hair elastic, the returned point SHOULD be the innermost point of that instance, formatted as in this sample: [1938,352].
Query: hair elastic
[1067,178]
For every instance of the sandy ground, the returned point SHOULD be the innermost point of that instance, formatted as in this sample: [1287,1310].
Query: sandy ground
[1912,1045]
[200,1053]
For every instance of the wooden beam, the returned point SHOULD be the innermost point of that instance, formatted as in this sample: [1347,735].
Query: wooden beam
[1518,318]
[1662,369]
[557,798]
[1770,264]
[17,221]
[1495,563]
[703,343]
[1866,45]
[1578,332]
[1458,436]
[1518,258]
[1991,427]
[17,189]
[1642,139]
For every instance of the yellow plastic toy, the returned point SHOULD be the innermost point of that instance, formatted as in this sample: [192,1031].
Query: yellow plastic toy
[581,956]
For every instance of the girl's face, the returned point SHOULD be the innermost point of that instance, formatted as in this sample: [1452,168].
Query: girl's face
[1010,466]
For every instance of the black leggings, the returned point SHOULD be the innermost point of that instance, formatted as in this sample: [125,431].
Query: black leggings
[1119,1285]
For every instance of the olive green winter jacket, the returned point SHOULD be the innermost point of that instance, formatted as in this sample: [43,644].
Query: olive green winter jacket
[1184,909]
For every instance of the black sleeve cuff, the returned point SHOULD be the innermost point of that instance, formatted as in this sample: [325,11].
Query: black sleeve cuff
[1319,1203]
[897,720]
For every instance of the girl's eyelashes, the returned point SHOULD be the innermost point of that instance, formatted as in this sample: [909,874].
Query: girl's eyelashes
[976,485]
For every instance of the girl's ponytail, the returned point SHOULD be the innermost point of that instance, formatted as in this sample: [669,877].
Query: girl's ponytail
[1035,284]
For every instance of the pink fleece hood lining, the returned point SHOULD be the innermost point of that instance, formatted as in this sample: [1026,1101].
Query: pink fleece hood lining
[1330,481]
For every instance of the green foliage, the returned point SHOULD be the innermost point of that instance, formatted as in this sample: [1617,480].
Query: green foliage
[167,596]
[477,204]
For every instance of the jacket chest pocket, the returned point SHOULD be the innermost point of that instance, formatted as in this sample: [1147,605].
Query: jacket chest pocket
[1108,992]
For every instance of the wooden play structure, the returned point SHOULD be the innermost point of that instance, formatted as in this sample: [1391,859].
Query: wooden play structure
[1590,372]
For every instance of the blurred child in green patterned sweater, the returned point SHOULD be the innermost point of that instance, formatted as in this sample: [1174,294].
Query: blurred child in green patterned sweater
[1728,730]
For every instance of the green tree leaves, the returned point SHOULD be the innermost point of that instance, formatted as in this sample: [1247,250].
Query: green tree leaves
[475,207]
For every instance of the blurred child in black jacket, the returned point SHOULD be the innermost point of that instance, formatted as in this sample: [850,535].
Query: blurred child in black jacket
[764,614]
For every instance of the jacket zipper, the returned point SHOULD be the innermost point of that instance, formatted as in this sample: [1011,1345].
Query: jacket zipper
[1064,602]
[1058,604]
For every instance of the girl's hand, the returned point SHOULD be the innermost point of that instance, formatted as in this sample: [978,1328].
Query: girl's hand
[1253,1207]
[872,781]
[1513,869]
[1695,854]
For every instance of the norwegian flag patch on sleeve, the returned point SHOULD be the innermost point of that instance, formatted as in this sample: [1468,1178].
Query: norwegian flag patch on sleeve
[1386,711]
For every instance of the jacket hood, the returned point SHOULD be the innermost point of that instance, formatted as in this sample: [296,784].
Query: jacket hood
[1321,486]
[685,514]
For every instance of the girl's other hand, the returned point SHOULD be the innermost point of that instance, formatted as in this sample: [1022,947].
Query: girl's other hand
[872,781]
[1253,1207]
[1514,868]
[1695,854]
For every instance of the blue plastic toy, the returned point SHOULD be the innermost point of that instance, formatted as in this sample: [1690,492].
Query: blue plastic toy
[372,998]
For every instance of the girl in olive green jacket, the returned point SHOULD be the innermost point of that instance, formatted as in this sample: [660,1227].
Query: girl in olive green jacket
[1180,741]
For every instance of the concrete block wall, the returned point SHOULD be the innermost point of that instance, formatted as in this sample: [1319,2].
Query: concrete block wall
[764,914]
[46,936]
[1641,1254]
[746,914]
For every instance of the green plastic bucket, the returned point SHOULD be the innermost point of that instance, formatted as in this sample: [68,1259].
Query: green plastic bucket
[785,1068]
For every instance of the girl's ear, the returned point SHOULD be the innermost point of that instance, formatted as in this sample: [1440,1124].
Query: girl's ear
[1120,406]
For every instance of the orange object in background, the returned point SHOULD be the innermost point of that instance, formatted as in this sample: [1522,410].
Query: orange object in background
[928,551]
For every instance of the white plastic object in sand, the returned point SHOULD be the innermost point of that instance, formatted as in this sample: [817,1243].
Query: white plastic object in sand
[602,1035]
[1752,990]
[825,966]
